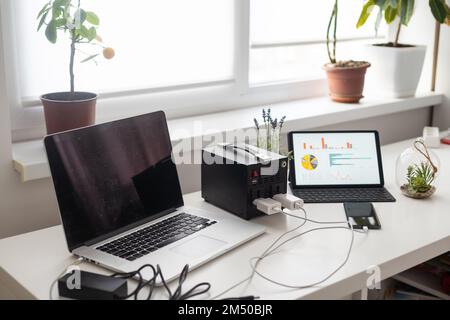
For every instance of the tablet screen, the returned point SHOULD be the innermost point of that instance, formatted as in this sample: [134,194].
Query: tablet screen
[338,158]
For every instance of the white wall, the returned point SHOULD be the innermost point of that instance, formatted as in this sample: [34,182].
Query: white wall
[442,113]
[421,31]
[23,207]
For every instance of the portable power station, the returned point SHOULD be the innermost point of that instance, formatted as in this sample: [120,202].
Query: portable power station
[234,175]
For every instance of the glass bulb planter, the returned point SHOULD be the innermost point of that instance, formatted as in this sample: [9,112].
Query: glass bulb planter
[417,169]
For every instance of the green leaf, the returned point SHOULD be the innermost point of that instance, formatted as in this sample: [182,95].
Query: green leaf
[92,34]
[383,4]
[61,3]
[439,10]
[79,18]
[56,12]
[92,18]
[42,21]
[56,9]
[393,4]
[88,34]
[82,16]
[50,32]
[60,22]
[43,10]
[83,32]
[366,11]
[90,58]
[390,14]
[407,10]
[66,13]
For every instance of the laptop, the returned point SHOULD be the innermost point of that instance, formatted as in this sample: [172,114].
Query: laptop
[121,203]
[337,166]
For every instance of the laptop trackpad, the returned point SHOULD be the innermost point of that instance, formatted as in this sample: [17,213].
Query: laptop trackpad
[199,246]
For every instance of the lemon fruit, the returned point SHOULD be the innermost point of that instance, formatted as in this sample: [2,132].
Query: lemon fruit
[109,53]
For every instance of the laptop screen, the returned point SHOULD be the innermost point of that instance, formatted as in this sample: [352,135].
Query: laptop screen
[113,176]
[336,158]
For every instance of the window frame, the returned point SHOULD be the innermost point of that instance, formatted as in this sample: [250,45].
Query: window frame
[177,101]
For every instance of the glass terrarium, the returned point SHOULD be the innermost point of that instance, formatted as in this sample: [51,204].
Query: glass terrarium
[416,171]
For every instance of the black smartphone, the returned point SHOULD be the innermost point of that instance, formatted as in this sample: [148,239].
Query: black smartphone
[362,214]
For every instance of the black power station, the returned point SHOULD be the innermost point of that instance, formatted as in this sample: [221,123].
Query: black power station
[233,176]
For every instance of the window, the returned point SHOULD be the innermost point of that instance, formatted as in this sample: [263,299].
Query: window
[187,57]
[287,38]
[158,44]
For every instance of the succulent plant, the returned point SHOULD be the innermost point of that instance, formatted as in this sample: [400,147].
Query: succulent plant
[420,177]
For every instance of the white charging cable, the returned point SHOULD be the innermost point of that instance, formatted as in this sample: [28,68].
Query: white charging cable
[290,202]
[258,260]
[249,278]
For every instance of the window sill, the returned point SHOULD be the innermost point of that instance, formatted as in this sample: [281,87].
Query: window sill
[30,160]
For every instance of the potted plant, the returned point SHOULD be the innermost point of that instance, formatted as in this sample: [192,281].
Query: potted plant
[345,78]
[268,134]
[397,67]
[416,171]
[69,110]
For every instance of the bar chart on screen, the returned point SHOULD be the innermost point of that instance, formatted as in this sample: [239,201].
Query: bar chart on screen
[324,145]
[349,159]
[336,158]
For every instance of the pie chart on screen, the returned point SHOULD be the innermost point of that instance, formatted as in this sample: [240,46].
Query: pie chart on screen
[310,162]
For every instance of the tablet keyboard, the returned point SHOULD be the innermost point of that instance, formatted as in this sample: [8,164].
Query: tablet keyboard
[338,195]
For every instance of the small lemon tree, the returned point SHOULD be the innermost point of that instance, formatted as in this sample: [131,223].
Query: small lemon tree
[68,17]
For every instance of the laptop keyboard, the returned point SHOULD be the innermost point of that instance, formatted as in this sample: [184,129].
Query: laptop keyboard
[339,195]
[145,241]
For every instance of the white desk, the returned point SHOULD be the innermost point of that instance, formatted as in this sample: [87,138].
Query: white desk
[412,232]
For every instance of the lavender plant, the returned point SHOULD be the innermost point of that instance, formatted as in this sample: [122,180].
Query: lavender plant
[268,132]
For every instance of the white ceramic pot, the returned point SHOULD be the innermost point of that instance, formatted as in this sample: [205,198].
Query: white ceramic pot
[395,72]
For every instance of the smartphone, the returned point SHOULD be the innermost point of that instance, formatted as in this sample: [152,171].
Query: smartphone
[362,214]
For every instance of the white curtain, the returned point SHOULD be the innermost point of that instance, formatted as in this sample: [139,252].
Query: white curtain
[157,43]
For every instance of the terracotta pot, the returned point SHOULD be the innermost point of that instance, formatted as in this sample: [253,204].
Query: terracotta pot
[66,110]
[346,84]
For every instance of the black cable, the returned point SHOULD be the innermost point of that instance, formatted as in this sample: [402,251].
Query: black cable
[197,290]
[242,298]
